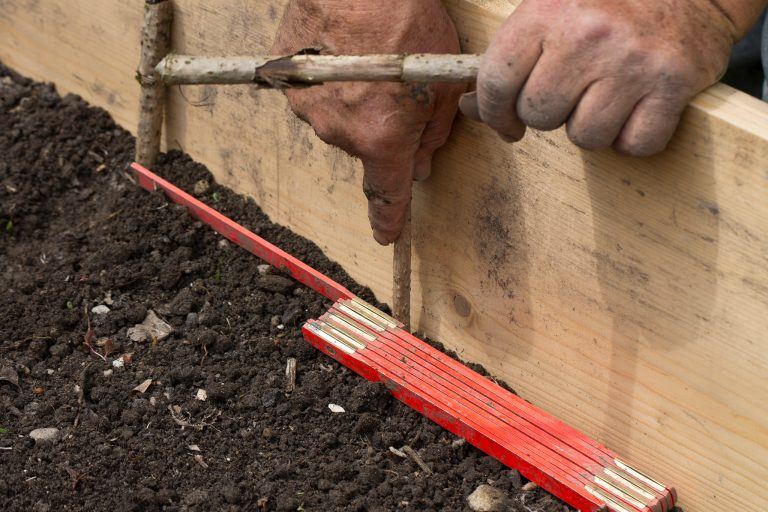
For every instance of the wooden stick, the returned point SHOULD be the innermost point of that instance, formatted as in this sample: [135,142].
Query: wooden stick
[155,44]
[304,70]
[401,274]
[290,375]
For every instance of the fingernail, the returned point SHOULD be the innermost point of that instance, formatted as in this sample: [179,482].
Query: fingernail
[422,169]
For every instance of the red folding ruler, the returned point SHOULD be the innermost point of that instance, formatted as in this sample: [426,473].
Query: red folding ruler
[558,458]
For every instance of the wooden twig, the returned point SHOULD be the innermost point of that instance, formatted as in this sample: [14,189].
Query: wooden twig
[290,375]
[304,70]
[155,44]
[416,458]
[401,274]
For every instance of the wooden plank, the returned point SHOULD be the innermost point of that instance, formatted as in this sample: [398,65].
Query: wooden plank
[628,297]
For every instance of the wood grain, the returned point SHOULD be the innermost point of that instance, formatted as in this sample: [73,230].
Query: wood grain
[629,297]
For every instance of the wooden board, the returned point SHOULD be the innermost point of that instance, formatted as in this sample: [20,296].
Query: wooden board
[628,297]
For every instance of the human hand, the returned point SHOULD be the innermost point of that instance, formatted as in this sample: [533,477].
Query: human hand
[615,73]
[393,128]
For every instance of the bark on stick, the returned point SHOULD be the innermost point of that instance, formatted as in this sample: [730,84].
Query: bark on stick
[401,274]
[155,44]
[304,70]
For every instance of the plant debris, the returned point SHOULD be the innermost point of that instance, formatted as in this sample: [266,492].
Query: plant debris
[143,387]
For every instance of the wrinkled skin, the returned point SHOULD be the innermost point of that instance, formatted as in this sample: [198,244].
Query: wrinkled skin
[615,73]
[393,128]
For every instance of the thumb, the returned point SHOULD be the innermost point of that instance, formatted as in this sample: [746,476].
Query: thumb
[437,130]
[387,185]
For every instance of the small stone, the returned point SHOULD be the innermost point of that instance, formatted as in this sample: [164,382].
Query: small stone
[153,327]
[488,499]
[101,309]
[264,269]
[274,284]
[191,321]
[107,373]
[458,443]
[270,396]
[45,435]
[8,374]
[201,187]
[201,395]
[336,409]
[275,321]
[49,371]
[223,244]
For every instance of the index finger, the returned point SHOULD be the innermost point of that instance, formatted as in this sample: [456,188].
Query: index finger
[387,185]
[503,71]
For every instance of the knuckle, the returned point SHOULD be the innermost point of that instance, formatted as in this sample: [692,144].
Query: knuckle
[590,140]
[594,27]
[542,111]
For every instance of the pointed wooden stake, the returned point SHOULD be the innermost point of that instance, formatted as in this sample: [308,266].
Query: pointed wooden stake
[401,275]
[155,44]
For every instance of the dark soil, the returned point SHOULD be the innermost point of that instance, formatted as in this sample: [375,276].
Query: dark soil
[76,233]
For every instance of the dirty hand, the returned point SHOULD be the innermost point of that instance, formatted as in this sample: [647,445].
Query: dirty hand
[615,73]
[393,128]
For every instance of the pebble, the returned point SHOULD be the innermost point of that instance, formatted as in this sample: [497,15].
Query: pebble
[45,435]
[152,327]
[488,499]
[101,309]
[274,284]
[264,269]
[270,396]
[223,243]
[191,320]
[201,187]
[107,373]
[275,321]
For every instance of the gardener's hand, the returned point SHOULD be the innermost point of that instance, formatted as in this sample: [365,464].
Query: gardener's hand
[393,128]
[616,73]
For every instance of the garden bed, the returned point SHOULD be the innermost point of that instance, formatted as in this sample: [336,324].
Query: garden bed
[85,256]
